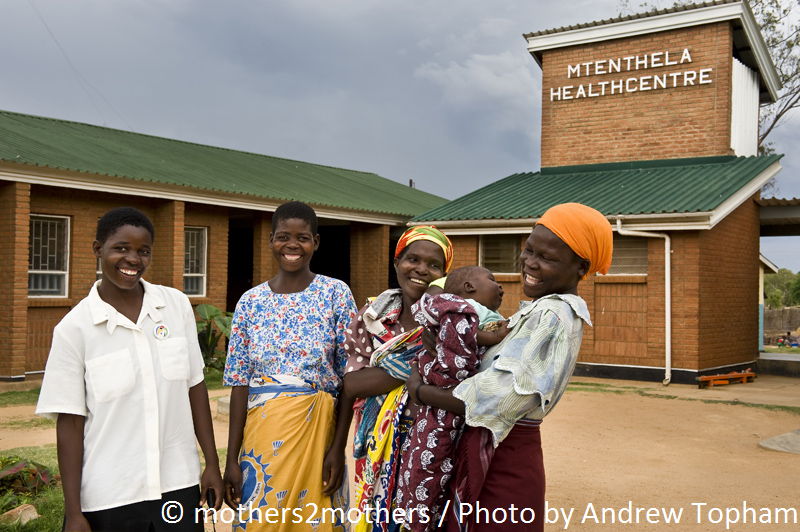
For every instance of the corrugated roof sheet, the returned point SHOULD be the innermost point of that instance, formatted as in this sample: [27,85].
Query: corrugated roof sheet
[635,16]
[779,202]
[81,147]
[642,187]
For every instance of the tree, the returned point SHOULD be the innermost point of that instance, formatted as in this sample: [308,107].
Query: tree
[780,26]
[778,288]
[794,292]
[775,300]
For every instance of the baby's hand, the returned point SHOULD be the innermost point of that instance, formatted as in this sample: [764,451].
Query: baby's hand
[502,330]
[493,335]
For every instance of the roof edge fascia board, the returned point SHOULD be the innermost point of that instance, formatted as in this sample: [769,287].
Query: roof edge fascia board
[116,185]
[771,213]
[768,263]
[656,23]
[744,193]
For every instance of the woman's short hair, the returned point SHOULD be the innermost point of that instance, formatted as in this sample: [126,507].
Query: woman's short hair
[121,216]
[295,210]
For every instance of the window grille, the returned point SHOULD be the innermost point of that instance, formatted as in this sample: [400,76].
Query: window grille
[48,256]
[630,256]
[500,253]
[194,261]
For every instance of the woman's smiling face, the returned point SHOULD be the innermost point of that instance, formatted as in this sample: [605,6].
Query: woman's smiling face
[293,244]
[549,266]
[418,264]
[125,256]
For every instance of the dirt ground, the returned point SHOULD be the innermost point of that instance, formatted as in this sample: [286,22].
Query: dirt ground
[616,451]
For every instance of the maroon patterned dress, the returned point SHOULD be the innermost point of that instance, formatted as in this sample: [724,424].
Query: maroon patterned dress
[428,456]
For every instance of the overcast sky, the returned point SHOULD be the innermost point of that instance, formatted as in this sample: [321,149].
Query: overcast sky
[443,93]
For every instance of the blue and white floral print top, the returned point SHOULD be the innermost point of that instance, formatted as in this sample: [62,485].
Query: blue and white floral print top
[300,334]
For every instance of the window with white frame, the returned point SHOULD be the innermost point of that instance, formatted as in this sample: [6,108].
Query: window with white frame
[630,255]
[500,253]
[48,256]
[194,261]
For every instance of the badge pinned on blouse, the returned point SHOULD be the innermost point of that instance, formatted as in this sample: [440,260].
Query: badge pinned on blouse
[161,332]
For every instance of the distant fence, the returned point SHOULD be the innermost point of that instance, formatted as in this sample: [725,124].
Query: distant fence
[786,319]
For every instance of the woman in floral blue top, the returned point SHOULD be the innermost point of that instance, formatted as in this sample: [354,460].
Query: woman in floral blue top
[285,363]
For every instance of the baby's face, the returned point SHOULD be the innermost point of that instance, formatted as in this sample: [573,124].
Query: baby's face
[488,292]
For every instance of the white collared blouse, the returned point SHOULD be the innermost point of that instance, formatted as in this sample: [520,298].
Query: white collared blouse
[131,381]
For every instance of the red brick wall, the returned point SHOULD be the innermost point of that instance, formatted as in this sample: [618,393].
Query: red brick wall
[264,267]
[628,312]
[669,123]
[656,303]
[465,251]
[41,322]
[685,266]
[369,260]
[728,279]
[167,266]
[14,234]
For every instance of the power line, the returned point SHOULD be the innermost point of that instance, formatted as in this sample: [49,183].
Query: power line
[81,80]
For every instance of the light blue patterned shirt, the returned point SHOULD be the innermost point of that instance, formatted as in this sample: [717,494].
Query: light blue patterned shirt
[525,375]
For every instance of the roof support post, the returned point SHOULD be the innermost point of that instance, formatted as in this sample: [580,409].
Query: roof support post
[667,293]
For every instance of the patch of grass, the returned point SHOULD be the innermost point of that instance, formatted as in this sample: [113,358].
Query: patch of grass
[794,350]
[622,390]
[617,390]
[28,397]
[213,379]
[50,505]
[601,385]
[772,408]
[49,502]
[578,388]
[33,423]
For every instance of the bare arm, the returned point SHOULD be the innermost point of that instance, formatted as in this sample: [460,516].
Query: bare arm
[431,395]
[204,431]
[333,465]
[233,474]
[369,382]
[69,438]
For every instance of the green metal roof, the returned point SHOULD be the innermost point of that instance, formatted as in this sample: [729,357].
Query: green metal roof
[640,187]
[81,147]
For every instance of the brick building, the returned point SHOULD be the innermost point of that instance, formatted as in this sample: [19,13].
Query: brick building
[211,208]
[653,120]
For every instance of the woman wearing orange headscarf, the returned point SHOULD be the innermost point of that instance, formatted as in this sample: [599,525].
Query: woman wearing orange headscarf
[500,460]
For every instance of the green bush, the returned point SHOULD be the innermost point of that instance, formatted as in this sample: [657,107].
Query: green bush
[209,336]
[23,476]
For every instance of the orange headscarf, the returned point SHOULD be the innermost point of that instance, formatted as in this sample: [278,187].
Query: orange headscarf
[585,230]
[431,234]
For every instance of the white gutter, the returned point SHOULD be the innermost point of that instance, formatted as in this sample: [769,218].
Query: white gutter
[667,293]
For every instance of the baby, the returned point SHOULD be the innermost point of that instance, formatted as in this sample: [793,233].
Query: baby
[465,320]
[478,288]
